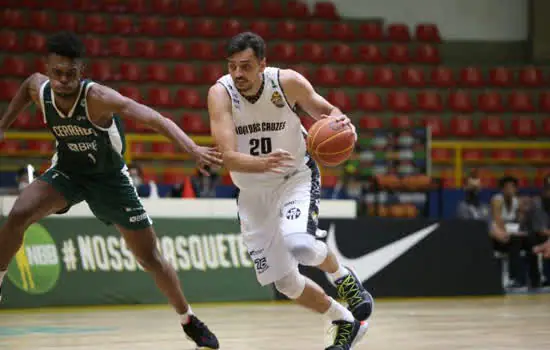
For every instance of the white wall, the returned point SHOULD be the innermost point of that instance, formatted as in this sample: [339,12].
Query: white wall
[457,19]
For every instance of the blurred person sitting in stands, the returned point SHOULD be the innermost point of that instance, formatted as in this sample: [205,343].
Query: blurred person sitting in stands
[349,185]
[507,229]
[472,207]
[144,190]
[203,186]
[538,226]
[22,178]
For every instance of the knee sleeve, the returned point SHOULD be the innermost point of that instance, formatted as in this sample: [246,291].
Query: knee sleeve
[292,285]
[306,249]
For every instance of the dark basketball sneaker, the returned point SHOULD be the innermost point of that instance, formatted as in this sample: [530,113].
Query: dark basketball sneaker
[348,334]
[351,290]
[200,334]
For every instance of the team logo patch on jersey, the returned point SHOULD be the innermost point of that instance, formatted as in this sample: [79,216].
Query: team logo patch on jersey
[293,213]
[277,99]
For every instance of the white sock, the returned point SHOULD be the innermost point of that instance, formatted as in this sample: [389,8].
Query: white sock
[2,274]
[337,312]
[341,272]
[185,317]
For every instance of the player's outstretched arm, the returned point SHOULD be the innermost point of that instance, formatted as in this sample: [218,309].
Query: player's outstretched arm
[223,132]
[28,92]
[108,100]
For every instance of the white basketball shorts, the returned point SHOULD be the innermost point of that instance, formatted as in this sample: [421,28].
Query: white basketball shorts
[267,215]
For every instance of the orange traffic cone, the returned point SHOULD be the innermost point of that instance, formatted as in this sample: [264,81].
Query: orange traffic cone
[188,191]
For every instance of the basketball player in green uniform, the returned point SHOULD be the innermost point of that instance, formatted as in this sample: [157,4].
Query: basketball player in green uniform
[89,166]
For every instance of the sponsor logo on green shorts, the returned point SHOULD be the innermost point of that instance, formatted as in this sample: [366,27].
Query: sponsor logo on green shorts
[36,267]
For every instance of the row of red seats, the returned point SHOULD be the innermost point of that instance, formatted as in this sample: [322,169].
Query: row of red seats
[205,27]
[216,8]
[474,155]
[489,178]
[324,75]
[207,50]
[432,101]
[463,125]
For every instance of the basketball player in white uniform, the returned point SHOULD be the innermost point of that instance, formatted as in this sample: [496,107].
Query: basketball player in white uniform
[253,122]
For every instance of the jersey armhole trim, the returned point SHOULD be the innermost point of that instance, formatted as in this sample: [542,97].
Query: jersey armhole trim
[42,104]
[293,109]
[88,86]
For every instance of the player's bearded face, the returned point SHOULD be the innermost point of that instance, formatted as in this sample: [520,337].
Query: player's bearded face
[245,69]
[65,75]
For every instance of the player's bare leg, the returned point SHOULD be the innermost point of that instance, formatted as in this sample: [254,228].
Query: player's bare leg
[38,200]
[142,243]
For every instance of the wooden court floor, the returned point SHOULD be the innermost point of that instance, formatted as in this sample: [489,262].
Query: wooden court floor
[513,322]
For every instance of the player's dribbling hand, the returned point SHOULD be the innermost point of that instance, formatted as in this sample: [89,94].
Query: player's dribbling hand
[278,161]
[344,121]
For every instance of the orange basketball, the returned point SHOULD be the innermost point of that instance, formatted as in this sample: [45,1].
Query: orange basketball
[329,143]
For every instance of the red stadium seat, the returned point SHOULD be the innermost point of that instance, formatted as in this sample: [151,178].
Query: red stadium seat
[8,89]
[206,28]
[524,126]
[315,31]
[160,97]
[303,70]
[40,146]
[462,126]
[41,21]
[194,124]
[503,154]
[189,98]
[371,31]
[137,148]
[165,7]
[145,48]
[427,54]
[342,31]
[435,124]
[122,25]
[137,6]
[325,10]
[340,99]
[157,72]
[313,52]
[164,147]
[23,121]
[544,102]
[368,122]
[131,92]
[8,41]
[537,155]
[287,30]
[285,52]
[66,22]
[174,49]
[441,155]
[442,77]
[10,146]
[460,101]
[399,32]
[490,102]
[492,126]
[150,26]
[86,5]
[471,77]
[429,101]
[212,72]
[185,73]
[244,8]
[520,102]
[546,126]
[102,70]
[216,8]
[342,53]
[401,122]
[399,101]
[370,54]
[472,155]
[413,77]
[11,18]
[327,76]
[39,65]
[531,77]
[177,27]
[35,42]
[384,76]
[427,32]
[119,46]
[369,101]
[230,28]
[271,9]
[399,54]
[355,76]
[297,9]
[95,24]
[130,71]
[262,28]
[501,77]
[202,50]
[14,66]
[191,8]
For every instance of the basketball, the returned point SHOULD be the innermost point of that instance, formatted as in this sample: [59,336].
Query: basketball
[330,143]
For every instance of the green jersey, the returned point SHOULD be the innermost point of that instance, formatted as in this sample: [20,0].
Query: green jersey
[82,147]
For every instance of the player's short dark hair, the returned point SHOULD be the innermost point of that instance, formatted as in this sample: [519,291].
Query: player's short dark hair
[247,40]
[508,179]
[66,44]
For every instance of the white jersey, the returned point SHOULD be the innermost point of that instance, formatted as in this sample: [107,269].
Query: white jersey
[265,126]
[508,214]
